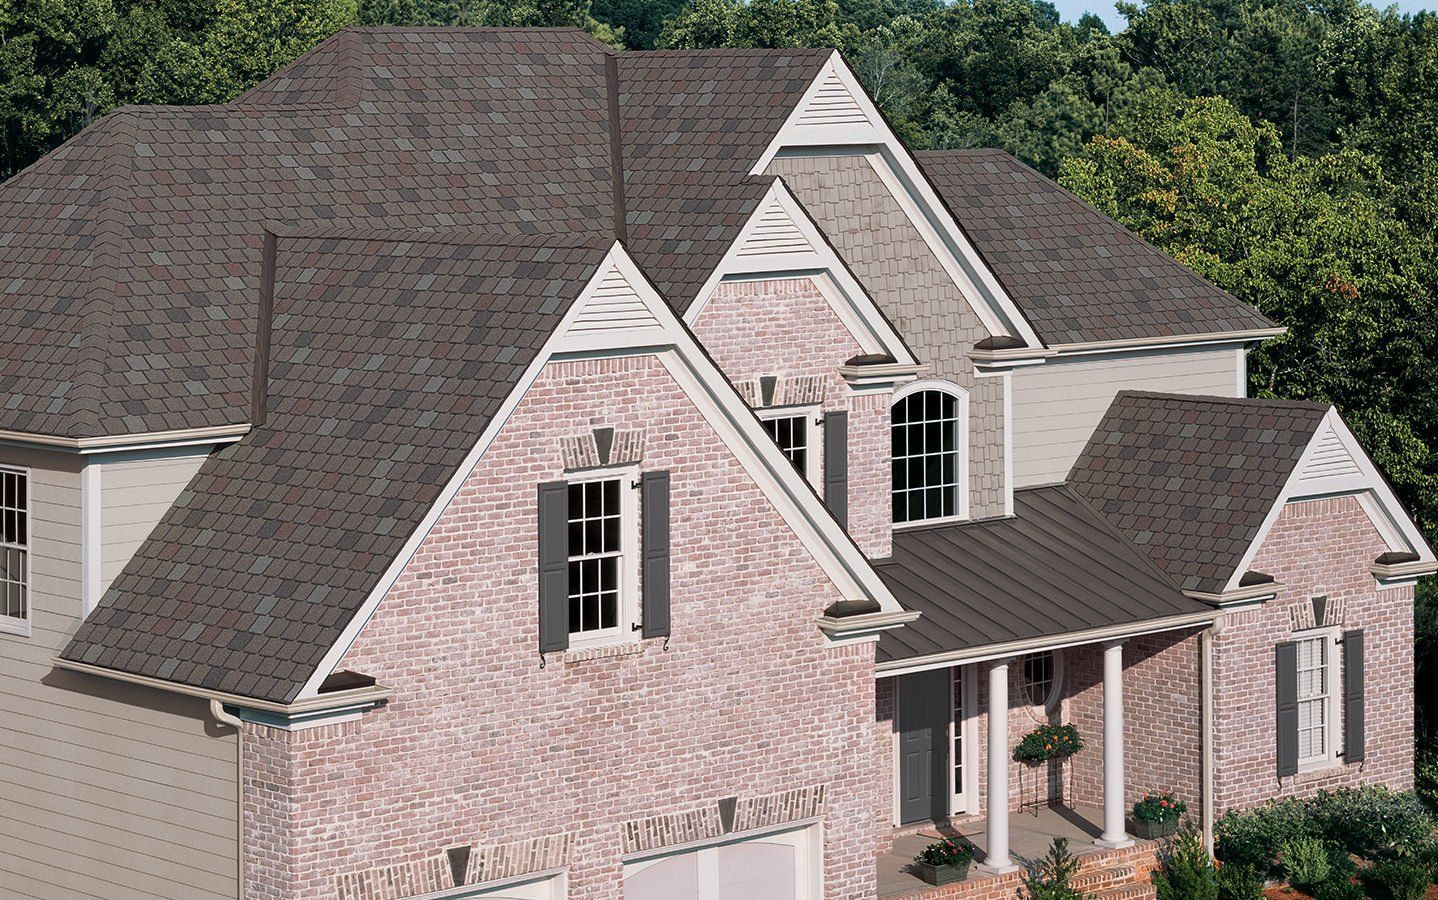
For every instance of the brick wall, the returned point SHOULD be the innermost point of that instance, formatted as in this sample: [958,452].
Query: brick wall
[856,211]
[1317,547]
[483,746]
[786,328]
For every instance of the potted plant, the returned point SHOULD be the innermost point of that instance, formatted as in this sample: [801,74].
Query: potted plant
[1157,815]
[944,862]
[1048,742]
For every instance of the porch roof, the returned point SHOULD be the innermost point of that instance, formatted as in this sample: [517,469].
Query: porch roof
[1054,568]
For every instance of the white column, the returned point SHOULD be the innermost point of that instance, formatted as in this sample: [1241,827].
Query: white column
[1114,834]
[996,859]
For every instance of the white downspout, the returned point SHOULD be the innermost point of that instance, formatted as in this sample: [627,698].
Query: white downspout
[217,712]
[1205,752]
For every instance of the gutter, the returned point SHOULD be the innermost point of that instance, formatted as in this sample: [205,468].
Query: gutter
[1245,595]
[989,652]
[1399,574]
[144,440]
[991,359]
[217,712]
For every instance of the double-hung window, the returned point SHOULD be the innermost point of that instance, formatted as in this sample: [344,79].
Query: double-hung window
[601,554]
[1316,715]
[14,551]
[792,431]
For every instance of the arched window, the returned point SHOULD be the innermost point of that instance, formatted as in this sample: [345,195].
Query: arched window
[1043,679]
[930,456]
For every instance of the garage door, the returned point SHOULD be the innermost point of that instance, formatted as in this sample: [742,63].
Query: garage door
[549,887]
[777,866]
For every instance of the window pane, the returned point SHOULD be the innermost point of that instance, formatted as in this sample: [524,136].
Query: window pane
[924,442]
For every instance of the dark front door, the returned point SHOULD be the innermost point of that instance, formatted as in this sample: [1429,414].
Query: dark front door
[924,745]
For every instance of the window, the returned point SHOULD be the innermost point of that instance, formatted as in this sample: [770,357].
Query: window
[791,432]
[929,456]
[600,526]
[14,551]
[1315,695]
[1043,678]
[777,866]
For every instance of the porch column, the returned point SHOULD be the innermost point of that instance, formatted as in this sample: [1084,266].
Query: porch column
[1114,834]
[996,859]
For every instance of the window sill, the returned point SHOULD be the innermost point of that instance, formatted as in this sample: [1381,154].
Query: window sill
[17,627]
[602,651]
[1317,770]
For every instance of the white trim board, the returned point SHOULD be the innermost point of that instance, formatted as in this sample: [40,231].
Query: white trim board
[1334,464]
[835,115]
[654,329]
[781,240]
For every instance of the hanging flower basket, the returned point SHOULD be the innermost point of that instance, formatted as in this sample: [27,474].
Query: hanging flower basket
[945,862]
[1048,742]
[1157,815]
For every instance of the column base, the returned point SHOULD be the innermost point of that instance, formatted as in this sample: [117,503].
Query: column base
[996,870]
[1107,844]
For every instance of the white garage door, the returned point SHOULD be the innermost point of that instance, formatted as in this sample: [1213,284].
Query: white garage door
[778,866]
[544,888]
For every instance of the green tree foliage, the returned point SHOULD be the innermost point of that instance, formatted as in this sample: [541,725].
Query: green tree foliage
[64,63]
[493,13]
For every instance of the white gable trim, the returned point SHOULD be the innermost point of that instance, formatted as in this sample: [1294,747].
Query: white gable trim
[1334,464]
[654,330]
[780,240]
[816,124]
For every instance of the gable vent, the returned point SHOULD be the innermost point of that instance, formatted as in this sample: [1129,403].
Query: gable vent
[833,104]
[1330,458]
[614,306]
[775,232]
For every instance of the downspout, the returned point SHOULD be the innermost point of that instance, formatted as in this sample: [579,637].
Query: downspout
[217,712]
[1205,753]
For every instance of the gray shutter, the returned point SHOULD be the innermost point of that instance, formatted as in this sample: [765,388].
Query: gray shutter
[1353,696]
[655,548]
[553,566]
[836,464]
[1285,663]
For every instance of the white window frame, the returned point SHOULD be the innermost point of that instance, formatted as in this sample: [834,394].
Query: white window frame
[806,837]
[625,629]
[1331,734]
[812,435]
[22,625]
[961,474]
[963,724]
[1054,696]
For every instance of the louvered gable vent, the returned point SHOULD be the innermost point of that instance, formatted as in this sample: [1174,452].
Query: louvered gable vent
[775,233]
[1330,458]
[615,306]
[833,104]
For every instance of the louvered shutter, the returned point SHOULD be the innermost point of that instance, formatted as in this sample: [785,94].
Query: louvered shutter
[836,464]
[1353,696]
[654,544]
[553,566]
[1285,662]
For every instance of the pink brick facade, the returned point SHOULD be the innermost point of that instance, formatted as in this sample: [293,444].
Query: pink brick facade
[786,328]
[1317,548]
[483,746]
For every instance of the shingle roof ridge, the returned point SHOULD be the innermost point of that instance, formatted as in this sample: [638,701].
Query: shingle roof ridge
[1251,402]
[725,51]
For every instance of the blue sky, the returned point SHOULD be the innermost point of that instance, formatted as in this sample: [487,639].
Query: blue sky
[1104,9]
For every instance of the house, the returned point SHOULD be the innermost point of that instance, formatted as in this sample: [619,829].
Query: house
[479,463]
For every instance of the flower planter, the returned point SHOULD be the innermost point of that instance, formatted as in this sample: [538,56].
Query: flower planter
[1151,830]
[942,874]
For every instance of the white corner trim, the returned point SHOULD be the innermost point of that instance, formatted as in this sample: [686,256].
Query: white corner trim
[655,329]
[91,552]
[811,124]
[1305,482]
[1241,388]
[755,254]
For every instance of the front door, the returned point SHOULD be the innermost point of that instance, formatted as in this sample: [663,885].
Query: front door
[925,715]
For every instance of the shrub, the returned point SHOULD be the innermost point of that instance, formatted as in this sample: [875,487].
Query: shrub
[1403,879]
[1425,778]
[1048,742]
[1158,807]
[1049,879]
[1253,838]
[1186,871]
[948,852]
[1340,889]
[1239,882]
[1371,822]
[1305,863]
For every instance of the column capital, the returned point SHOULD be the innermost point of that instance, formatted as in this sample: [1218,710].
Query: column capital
[1113,642]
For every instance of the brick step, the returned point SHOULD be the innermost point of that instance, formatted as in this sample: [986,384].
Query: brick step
[1102,877]
[1135,891]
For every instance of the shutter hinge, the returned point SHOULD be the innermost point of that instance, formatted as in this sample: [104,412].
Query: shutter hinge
[634,485]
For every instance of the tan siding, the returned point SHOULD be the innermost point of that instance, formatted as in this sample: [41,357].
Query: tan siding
[134,495]
[1057,405]
[107,790]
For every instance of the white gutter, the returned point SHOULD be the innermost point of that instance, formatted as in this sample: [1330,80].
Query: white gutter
[217,712]
[1019,356]
[145,440]
[989,652]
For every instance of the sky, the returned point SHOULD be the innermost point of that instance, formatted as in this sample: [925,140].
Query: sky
[1104,9]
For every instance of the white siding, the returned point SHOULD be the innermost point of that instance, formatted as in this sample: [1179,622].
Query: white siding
[134,495]
[1057,405]
[106,790]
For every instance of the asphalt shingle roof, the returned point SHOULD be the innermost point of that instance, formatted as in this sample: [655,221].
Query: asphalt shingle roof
[1191,479]
[1076,274]
[1055,567]
[389,356]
